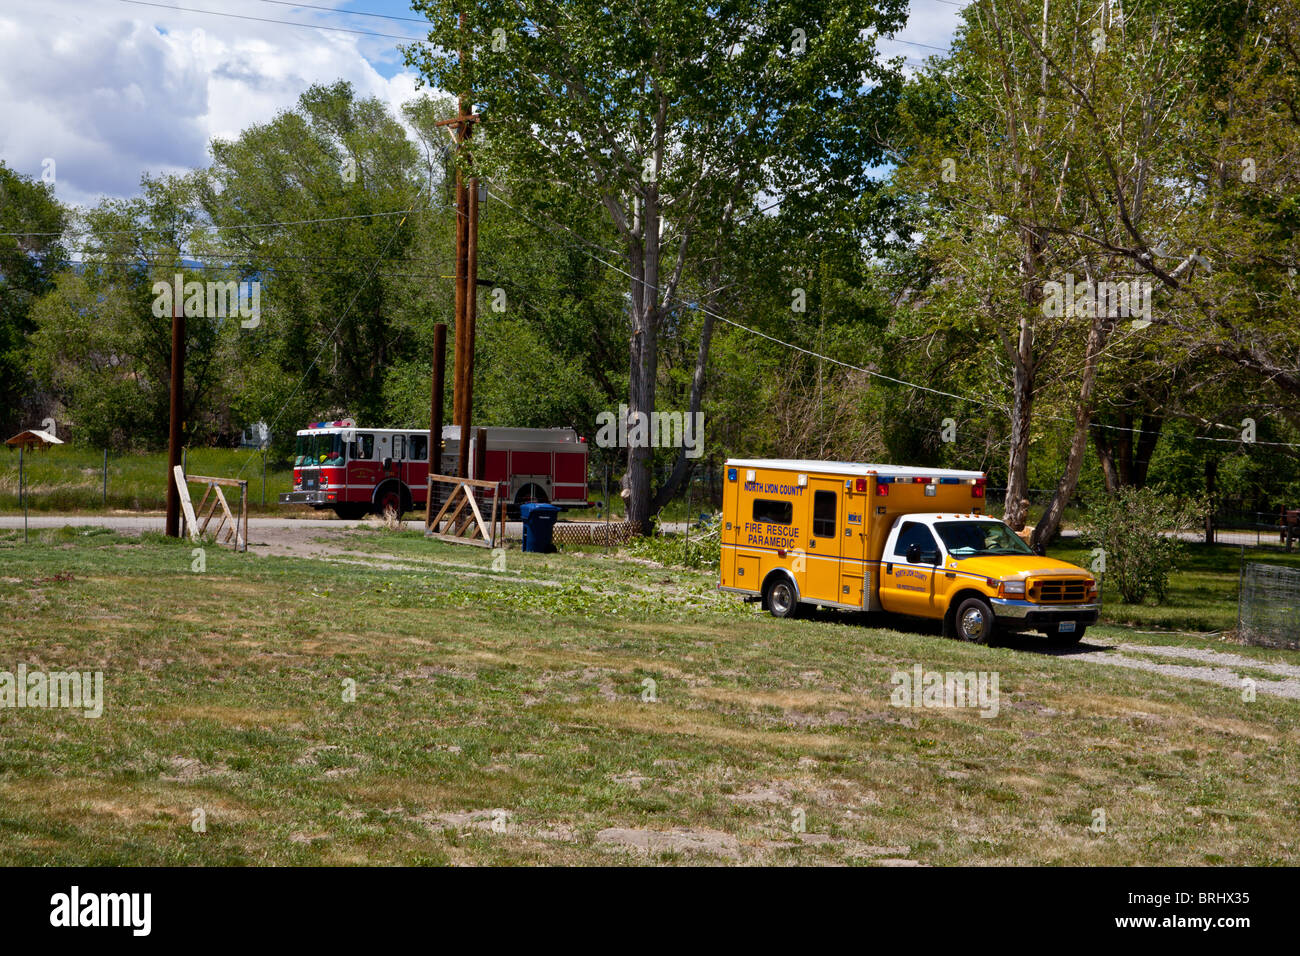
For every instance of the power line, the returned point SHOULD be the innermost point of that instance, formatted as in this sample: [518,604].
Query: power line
[928,46]
[325,343]
[880,375]
[249,225]
[349,13]
[269,270]
[292,23]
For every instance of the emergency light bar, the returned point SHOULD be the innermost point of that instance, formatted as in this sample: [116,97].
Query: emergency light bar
[341,423]
[884,481]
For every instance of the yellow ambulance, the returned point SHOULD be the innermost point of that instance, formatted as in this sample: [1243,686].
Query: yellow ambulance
[911,541]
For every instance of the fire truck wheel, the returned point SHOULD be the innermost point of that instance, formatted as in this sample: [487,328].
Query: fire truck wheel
[974,621]
[351,512]
[530,493]
[781,598]
[391,503]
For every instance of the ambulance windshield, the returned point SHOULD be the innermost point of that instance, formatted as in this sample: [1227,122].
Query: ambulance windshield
[966,539]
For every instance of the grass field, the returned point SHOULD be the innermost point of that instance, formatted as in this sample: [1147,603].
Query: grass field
[500,717]
[70,478]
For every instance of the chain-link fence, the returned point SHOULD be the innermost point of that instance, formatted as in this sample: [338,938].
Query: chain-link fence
[1268,610]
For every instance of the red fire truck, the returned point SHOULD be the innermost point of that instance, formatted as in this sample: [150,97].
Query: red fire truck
[357,471]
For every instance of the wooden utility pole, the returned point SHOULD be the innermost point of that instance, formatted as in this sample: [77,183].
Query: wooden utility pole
[466,280]
[173,526]
[435,409]
[471,315]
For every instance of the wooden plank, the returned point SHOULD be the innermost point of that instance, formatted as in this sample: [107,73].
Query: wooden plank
[183,492]
[227,482]
[445,505]
[454,480]
[478,516]
[199,510]
[205,518]
[453,522]
[203,528]
[451,518]
[455,540]
[225,508]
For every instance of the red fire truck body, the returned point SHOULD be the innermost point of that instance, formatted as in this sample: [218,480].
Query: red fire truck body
[356,471]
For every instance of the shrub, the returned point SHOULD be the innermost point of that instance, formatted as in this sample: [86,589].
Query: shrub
[702,548]
[1138,552]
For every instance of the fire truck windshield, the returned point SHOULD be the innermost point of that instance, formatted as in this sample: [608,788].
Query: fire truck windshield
[318,449]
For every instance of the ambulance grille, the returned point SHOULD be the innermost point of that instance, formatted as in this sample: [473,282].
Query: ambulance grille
[1060,591]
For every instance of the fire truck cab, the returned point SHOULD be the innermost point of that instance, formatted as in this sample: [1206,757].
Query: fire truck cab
[358,471]
[908,541]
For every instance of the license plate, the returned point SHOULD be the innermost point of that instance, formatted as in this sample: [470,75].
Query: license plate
[1067,627]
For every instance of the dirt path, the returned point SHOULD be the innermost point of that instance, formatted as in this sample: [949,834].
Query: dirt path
[1216,667]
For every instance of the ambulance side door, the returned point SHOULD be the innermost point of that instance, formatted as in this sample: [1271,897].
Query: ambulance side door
[907,586]
[853,547]
[821,580]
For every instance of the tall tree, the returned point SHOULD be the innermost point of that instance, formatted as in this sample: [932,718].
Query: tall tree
[673,116]
[32,253]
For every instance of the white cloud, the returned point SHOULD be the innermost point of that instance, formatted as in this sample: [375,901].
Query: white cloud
[111,91]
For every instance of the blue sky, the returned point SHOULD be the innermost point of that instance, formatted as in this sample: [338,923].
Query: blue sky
[102,91]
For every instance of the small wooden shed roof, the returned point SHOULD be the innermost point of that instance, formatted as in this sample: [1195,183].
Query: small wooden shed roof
[33,439]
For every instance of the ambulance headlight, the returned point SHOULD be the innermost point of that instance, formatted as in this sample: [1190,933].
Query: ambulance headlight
[1013,587]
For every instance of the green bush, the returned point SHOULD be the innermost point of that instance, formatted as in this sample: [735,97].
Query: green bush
[701,548]
[1137,532]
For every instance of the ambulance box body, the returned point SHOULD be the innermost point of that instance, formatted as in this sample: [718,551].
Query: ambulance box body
[904,540]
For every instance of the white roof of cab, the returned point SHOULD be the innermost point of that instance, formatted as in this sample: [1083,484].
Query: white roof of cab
[933,517]
[849,468]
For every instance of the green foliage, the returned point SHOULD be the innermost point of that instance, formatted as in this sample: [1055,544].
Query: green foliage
[102,340]
[701,548]
[1137,530]
[29,264]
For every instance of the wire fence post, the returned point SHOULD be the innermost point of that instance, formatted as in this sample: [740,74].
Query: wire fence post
[105,477]
[22,489]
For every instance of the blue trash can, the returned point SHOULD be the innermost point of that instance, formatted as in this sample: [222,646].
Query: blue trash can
[539,521]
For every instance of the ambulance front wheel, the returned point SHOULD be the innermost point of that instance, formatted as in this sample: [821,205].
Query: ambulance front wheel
[781,599]
[974,621]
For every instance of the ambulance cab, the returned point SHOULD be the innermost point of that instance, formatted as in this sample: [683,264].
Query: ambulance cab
[908,541]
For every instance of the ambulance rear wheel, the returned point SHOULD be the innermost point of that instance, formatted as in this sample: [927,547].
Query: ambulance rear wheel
[781,599]
[974,621]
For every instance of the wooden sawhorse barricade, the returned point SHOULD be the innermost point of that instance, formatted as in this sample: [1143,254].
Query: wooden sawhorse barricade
[229,529]
[460,519]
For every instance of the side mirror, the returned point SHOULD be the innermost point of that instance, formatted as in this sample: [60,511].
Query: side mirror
[913,554]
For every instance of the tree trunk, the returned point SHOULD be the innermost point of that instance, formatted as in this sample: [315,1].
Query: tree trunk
[1124,450]
[1146,447]
[1106,455]
[682,466]
[1211,489]
[1021,412]
[1050,524]
[641,396]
